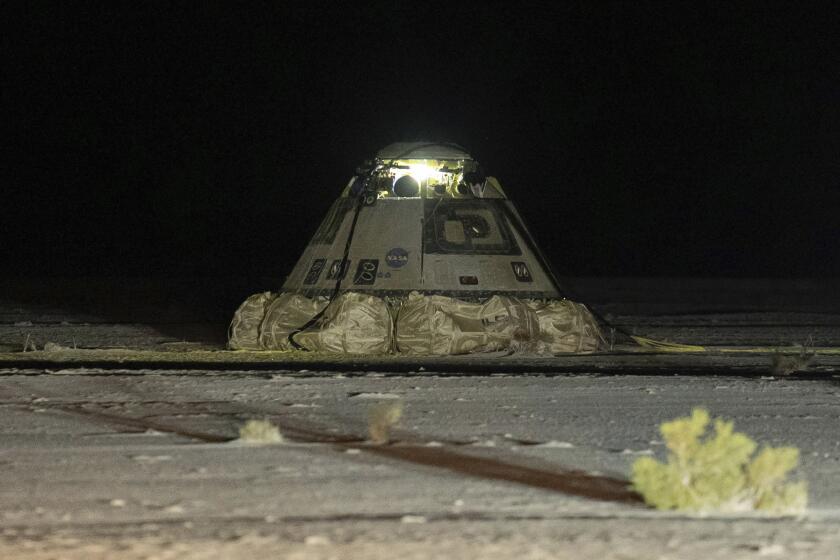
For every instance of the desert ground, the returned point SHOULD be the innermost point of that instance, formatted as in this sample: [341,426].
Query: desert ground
[119,430]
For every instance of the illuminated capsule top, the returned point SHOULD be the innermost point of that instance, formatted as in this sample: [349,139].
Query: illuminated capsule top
[426,170]
[423,217]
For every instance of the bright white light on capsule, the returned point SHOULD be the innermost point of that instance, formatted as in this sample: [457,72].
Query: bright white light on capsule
[420,172]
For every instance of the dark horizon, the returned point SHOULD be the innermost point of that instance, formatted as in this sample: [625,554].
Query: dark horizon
[635,138]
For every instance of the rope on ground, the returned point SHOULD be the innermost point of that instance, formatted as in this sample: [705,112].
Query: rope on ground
[666,346]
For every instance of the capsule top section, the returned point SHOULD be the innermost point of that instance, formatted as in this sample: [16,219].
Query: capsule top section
[406,170]
[423,150]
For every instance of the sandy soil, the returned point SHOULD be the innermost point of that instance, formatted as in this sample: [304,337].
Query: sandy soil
[106,464]
[132,452]
[409,538]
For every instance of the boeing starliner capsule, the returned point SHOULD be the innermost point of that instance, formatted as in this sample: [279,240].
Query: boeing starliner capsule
[432,223]
[421,253]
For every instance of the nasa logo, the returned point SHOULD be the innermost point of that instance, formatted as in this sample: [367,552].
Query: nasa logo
[397,257]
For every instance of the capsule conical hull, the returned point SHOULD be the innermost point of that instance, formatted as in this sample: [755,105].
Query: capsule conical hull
[424,230]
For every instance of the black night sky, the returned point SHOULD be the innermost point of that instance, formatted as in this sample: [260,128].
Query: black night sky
[637,138]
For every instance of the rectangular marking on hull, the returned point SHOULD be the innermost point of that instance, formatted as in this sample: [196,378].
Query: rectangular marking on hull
[366,272]
[337,270]
[520,270]
[315,271]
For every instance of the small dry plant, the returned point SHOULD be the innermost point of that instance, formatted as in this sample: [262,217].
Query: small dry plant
[260,432]
[788,364]
[381,418]
[29,345]
[718,473]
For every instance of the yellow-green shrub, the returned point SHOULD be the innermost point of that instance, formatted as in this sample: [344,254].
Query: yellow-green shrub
[718,473]
[260,432]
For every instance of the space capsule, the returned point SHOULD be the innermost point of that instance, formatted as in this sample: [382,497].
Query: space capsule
[421,253]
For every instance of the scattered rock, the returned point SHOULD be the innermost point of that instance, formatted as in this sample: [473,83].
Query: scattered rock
[151,458]
[556,444]
[774,549]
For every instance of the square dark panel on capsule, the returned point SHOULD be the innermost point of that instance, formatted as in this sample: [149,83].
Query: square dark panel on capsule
[520,270]
[366,272]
